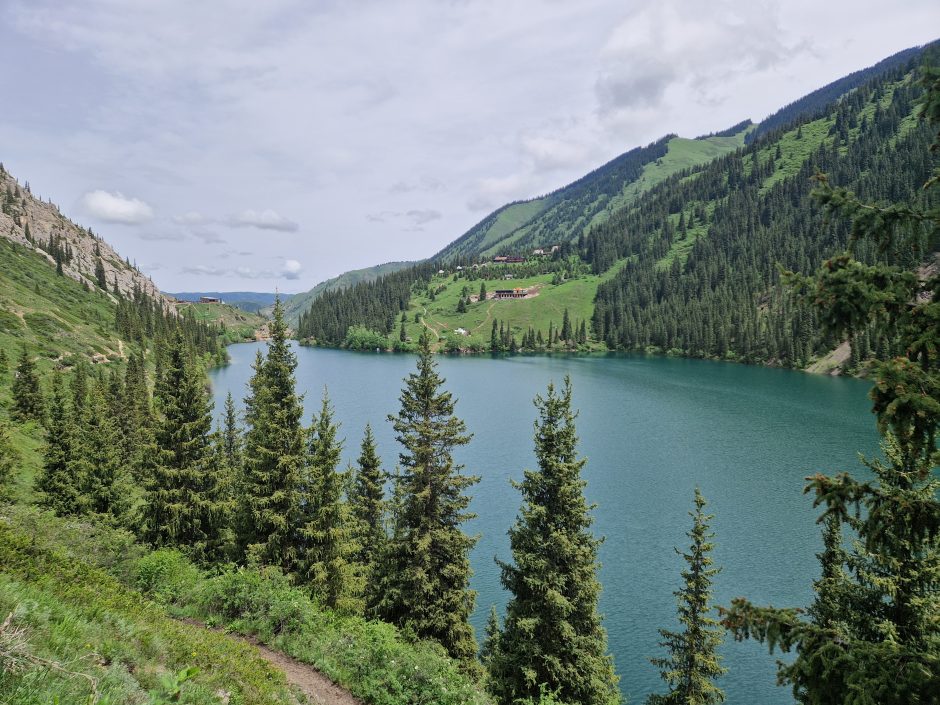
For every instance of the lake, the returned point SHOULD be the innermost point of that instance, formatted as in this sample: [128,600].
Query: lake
[652,430]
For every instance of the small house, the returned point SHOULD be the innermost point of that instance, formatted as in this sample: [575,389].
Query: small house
[209,300]
[517,293]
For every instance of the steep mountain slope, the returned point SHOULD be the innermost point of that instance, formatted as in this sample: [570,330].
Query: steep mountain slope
[573,210]
[812,105]
[40,226]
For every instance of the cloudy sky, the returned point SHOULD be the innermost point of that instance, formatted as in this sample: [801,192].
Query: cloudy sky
[233,145]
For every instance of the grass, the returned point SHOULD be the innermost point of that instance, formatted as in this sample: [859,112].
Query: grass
[87,638]
[50,314]
[440,316]
[510,219]
[239,324]
[682,154]
[90,596]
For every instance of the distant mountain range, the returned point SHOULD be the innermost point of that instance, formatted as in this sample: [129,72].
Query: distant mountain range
[251,301]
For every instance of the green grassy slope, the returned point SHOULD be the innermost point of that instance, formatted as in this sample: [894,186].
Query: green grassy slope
[239,324]
[441,318]
[81,634]
[574,209]
[51,314]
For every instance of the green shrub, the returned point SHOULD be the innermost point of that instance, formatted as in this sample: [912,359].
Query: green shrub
[361,338]
[167,576]
[259,601]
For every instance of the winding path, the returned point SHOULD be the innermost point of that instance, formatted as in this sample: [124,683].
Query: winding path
[308,680]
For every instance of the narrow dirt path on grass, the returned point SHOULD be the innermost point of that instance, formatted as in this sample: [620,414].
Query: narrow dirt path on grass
[312,683]
[485,320]
[317,687]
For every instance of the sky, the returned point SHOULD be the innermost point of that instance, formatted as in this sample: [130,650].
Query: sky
[233,145]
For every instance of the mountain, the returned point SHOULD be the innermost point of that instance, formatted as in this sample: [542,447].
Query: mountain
[298,303]
[251,301]
[40,227]
[573,210]
[683,258]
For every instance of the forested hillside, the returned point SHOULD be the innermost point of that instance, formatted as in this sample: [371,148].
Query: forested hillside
[689,261]
[704,251]
[572,210]
[298,303]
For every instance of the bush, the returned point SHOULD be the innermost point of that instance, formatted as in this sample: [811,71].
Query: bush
[361,338]
[260,601]
[168,577]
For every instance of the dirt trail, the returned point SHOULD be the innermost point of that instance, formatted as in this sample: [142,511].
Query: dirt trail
[314,685]
[317,687]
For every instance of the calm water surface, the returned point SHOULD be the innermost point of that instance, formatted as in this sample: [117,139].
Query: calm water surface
[652,429]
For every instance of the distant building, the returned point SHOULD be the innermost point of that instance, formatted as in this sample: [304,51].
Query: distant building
[209,300]
[517,293]
[515,260]
[500,258]
[461,331]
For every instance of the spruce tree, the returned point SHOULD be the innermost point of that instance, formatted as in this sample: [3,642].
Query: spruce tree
[327,539]
[873,634]
[9,459]
[367,505]
[231,434]
[58,483]
[428,583]
[490,645]
[566,334]
[693,663]
[552,638]
[183,507]
[105,486]
[483,291]
[4,364]
[272,467]
[27,395]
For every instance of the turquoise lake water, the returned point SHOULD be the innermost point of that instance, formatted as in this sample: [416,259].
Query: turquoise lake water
[652,429]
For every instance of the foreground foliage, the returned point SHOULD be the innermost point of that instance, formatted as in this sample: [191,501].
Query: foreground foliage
[873,635]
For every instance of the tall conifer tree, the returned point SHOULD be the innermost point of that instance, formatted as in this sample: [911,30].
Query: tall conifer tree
[326,535]
[428,580]
[272,471]
[58,484]
[27,395]
[367,504]
[552,639]
[105,485]
[693,663]
[231,434]
[183,507]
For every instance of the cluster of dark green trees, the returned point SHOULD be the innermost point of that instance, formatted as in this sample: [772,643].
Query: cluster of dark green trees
[872,634]
[566,336]
[724,299]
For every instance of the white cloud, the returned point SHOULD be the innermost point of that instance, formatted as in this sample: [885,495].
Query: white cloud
[191,218]
[265,220]
[408,106]
[116,207]
[291,269]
